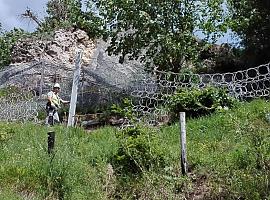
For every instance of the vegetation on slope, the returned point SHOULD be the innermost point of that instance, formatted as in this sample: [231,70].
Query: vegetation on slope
[7,40]
[250,21]
[162,34]
[228,155]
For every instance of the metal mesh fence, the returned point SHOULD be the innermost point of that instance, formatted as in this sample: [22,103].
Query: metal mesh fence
[147,90]
[151,91]
[18,105]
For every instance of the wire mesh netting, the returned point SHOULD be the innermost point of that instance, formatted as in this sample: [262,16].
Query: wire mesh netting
[18,105]
[151,91]
[146,90]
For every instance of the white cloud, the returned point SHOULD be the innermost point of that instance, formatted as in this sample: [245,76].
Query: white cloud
[10,11]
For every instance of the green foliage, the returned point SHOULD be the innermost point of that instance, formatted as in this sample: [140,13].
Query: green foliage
[250,19]
[42,114]
[27,169]
[228,157]
[8,90]
[223,58]
[159,33]
[69,13]
[138,152]
[234,147]
[6,133]
[7,40]
[199,101]
[6,194]
[122,110]
[188,76]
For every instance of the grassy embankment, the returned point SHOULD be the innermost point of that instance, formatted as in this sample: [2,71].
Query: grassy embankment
[228,154]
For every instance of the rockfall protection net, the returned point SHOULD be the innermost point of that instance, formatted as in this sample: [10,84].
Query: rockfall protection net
[23,95]
[148,90]
[18,105]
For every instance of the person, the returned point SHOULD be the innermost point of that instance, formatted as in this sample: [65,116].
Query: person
[53,104]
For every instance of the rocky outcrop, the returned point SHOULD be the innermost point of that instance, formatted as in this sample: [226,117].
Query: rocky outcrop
[107,69]
[37,63]
[60,47]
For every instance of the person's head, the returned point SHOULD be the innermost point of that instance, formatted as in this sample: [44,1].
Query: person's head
[56,87]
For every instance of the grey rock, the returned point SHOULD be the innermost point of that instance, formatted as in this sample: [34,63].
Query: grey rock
[39,63]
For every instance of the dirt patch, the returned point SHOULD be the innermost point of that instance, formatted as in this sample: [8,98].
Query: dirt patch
[201,188]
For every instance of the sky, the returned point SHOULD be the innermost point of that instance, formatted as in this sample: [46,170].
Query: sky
[10,11]
[228,37]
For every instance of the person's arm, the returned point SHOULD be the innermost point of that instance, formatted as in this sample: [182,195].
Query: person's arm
[64,102]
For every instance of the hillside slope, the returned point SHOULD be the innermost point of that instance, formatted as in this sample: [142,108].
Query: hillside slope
[228,155]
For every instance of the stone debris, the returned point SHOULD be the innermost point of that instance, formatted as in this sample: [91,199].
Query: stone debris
[61,47]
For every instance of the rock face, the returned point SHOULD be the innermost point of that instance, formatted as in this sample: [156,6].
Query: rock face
[38,63]
[106,69]
[60,47]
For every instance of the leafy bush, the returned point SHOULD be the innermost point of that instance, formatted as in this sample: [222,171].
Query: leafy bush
[122,110]
[138,152]
[188,76]
[7,40]
[71,13]
[197,101]
[4,92]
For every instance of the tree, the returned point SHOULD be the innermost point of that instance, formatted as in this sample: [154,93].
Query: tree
[69,13]
[7,40]
[159,33]
[251,21]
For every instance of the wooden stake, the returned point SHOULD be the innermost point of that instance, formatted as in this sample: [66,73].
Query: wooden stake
[183,143]
[51,139]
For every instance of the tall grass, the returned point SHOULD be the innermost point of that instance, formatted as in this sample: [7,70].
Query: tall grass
[232,149]
[71,173]
[228,155]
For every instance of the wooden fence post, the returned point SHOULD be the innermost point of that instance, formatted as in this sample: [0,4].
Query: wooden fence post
[51,134]
[51,139]
[184,164]
[76,80]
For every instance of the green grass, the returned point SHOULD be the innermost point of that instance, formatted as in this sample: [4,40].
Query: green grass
[231,148]
[228,155]
[70,173]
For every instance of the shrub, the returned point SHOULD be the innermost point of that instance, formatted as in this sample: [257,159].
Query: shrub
[197,101]
[7,40]
[122,110]
[6,91]
[6,133]
[138,151]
